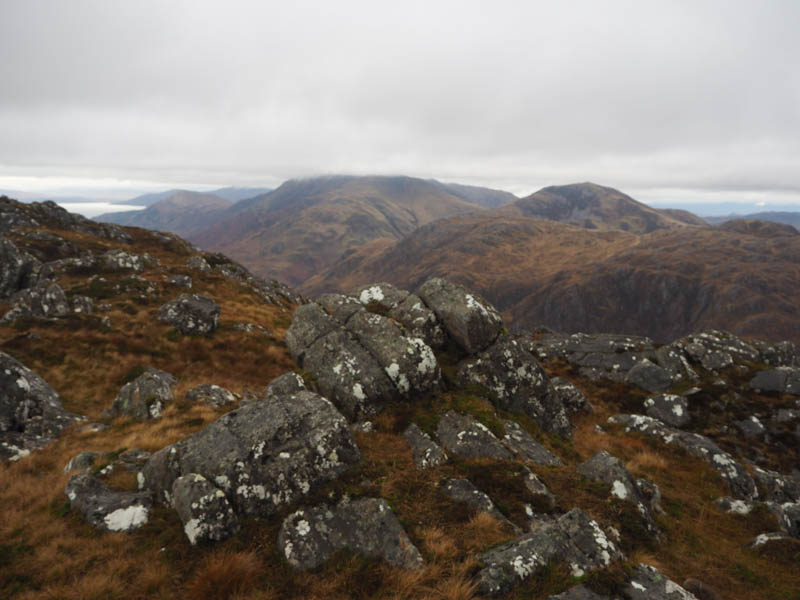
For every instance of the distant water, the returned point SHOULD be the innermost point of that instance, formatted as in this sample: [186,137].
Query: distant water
[92,209]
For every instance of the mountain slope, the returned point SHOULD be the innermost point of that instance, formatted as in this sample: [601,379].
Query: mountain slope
[786,218]
[480,195]
[592,206]
[181,212]
[304,226]
[662,284]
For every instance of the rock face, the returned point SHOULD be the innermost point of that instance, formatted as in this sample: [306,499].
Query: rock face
[31,414]
[608,469]
[16,267]
[427,453]
[463,436]
[573,538]
[145,397]
[366,526]
[191,314]
[212,395]
[203,509]
[108,509]
[784,380]
[265,455]
[361,360]
[738,479]
[518,384]
[472,322]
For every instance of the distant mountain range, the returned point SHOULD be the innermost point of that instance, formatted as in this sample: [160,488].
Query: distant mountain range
[787,218]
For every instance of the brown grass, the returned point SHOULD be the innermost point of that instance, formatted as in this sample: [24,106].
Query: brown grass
[224,575]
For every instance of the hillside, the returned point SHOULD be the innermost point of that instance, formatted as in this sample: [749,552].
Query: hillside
[592,206]
[786,218]
[663,284]
[172,427]
[304,226]
[181,212]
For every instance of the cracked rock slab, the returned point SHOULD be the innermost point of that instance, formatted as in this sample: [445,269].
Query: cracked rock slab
[191,314]
[522,444]
[203,509]
[669,408]
[735,475]
[573,538]
[464,436]
[366,526]
[105,508]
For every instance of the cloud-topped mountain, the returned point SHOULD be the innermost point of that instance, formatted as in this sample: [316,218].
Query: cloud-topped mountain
[306,225]
[593,206]
[180,211]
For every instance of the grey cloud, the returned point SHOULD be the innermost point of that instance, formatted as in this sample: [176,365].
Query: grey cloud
[513,94]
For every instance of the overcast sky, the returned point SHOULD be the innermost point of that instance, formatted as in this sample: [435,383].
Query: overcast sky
[664,99]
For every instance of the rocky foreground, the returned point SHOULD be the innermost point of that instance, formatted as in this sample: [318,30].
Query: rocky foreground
[411,438]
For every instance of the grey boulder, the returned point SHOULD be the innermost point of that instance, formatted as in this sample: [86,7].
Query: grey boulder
[464,436]
[647,583]
[669,408]
[31,414]
[286,385]
[46,301]
[211,395]
[522,444]
[191,314]
[462,490]
[16,267]
[105,508]
[264,456]
[199,263]
[468,319]
[784,380]
[649,376]
[366,526]
[145,397]
[426,452]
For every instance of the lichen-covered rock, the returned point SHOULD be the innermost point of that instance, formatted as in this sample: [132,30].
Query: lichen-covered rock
[183,281]
[608,469]
[198,263]
[339,306]
[286,385]
[751,428]
[579,592]
[669,408]
[409,362]
[310,324]
[83,461]
[349,375]
[382,295]
[16,267]
[212,395]
[31,414]
[47,300]
[119,260]
[462,490]
[464,436]
[427,453]
[265,455]
[647,583]
[784,380]
[518,384]
[738,479]
[145,397]
[191,314]
[788,515]
[108,509]
[203,509]
[537,488]
[573,538]
[777,487]
[649,376]
[522,444]
[570,395]
[366,526]
[469,320]
[82,305]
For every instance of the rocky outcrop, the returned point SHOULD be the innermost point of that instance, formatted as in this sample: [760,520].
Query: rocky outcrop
[573,538]
[649,376]
[16,267]
[183,281]
[119,260]
[469,320]
[366,526]
[669,408]
[517,383]
[427,453]
[522,444]
[263,456]
[191,314]
[464,436]
[31,414]
[361,360]
[44,301]
[608,469]
[211,395]
[203,509]
[108,509]
[736,476]
[198,263]
[145,397]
